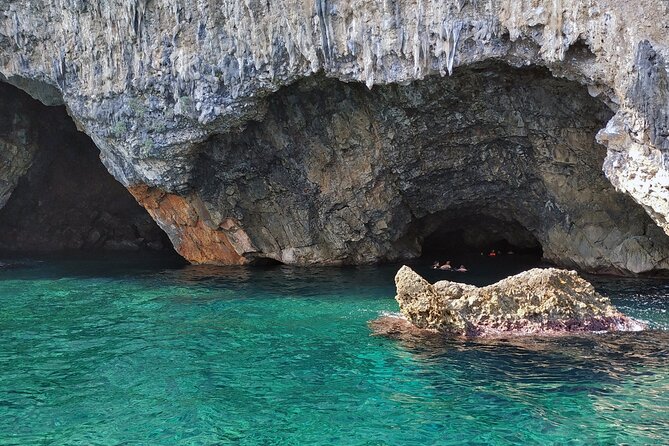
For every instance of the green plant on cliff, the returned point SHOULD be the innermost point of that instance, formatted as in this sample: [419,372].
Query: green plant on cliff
[119,128]
[137,107]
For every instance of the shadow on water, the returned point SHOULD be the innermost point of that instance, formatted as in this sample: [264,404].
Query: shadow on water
[311,280]
[85,264]
[281,280]
[570,357]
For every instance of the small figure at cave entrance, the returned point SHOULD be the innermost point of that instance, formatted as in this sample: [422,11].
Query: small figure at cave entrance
[462,269]
[446,266]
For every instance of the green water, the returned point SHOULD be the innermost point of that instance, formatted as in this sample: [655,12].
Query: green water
[135,352]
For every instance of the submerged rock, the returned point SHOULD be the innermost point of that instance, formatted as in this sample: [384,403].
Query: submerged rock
[538,301]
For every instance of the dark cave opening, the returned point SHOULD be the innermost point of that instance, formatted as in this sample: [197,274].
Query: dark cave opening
[481,234]
[266,262]
[473,236]
[57,194]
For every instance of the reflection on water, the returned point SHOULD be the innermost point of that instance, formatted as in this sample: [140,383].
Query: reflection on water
[95,352]
[606,355]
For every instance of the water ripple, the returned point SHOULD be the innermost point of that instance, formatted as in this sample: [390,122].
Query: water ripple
[204,356]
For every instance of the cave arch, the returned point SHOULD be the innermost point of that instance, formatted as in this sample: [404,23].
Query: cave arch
[55,194]
[474,233]
[338,173]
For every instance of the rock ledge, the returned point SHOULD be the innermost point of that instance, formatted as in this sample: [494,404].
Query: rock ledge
[538,301]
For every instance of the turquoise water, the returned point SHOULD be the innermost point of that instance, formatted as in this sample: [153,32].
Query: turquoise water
[138,352]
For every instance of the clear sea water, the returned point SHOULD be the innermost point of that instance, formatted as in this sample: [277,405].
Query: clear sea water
[137,351]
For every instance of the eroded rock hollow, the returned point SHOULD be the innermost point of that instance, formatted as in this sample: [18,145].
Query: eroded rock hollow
[337,173]
[62,197]
[347,131]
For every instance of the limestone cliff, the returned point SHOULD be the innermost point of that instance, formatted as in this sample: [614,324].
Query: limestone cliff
[251,117]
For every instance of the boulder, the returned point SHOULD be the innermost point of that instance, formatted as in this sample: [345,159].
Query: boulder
[538,301]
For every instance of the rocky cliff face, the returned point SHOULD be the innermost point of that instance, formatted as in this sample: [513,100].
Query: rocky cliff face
[230,122]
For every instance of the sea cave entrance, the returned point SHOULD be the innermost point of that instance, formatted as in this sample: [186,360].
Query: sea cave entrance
[55,194]
[501,157]
[479,240]
[480,234]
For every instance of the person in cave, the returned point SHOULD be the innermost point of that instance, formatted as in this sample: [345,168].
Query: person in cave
[462,269]
[446,266]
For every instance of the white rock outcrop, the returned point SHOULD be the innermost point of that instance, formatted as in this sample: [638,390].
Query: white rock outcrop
[538,301]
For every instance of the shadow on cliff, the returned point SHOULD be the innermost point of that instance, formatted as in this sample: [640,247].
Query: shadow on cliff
[66,201]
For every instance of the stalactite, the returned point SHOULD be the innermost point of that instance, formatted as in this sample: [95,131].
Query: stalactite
[228,54]
[453,35]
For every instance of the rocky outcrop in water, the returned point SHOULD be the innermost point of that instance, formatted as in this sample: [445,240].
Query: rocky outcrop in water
[249,131]
[538,301]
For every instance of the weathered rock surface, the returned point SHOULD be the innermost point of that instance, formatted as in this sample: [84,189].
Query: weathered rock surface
[18,141]
[538,301]
[336,173]
[230,110]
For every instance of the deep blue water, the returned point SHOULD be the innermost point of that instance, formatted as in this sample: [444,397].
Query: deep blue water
[137,351]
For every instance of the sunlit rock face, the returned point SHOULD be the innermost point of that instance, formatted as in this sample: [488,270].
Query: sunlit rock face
[538,301]
[173,92]
[194,235]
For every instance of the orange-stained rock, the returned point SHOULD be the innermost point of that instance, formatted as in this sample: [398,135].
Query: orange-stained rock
[195,238]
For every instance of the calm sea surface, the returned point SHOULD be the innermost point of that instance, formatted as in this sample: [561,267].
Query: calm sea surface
[139,351]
